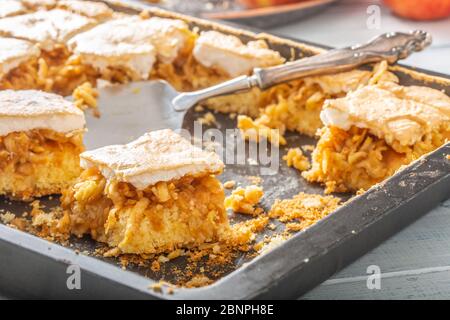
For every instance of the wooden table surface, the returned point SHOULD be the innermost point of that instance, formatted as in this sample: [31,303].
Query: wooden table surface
[415,263]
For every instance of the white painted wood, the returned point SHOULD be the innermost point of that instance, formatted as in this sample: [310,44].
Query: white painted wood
[415,264]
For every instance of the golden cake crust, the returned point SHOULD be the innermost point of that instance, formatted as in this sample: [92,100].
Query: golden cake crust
[156,156]
[390,111]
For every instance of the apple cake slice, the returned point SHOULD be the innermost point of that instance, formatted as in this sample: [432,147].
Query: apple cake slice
[126,49]
[40,142]
[50,30]
[18,64]
[296,105]
[154,194]
[373,131]
[213,57]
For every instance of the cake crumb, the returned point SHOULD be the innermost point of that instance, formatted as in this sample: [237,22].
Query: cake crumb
[199,108]
[157,287]
[303,210]
[208,119]
[308,148]
[85,97]
[274,242]
[229,184]
[243,233]
[156,266]
[7,217]
[114,252]
[256,130]
[245,200]
[198,281]
[295,158]
[256,180]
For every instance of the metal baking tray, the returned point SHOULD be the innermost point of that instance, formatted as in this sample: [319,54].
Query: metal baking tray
[31,267]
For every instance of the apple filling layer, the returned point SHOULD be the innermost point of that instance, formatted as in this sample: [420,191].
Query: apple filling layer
[296,105]
[354,159]
[38,162]
[156,193]
[374,130]
[184,212]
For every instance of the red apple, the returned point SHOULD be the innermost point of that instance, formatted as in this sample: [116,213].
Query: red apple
[420,9]
[265,3]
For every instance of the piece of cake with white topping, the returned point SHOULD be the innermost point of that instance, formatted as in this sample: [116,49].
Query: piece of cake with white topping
[40,141]
[49,29]
[295,105]
[245,200]
[10,8]
[229,55]
[126,49]
[154,194]
[374,130]
[96,10]
[18,63]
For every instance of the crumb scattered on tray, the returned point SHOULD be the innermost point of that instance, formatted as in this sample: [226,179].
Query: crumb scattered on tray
[295,158]
[256,180]
[303,209]
[273,242]
[308,148]
[85,96]
[256,130]
[245,200]
[157,286]
[208,119]
[198,281]
[7,217]
[229,184]
[243,233]
[136,90]
[199,108]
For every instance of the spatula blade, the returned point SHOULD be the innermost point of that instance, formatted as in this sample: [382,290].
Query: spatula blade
[130,110]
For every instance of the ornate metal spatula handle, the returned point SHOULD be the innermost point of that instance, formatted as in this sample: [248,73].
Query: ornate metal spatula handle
[389,46]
